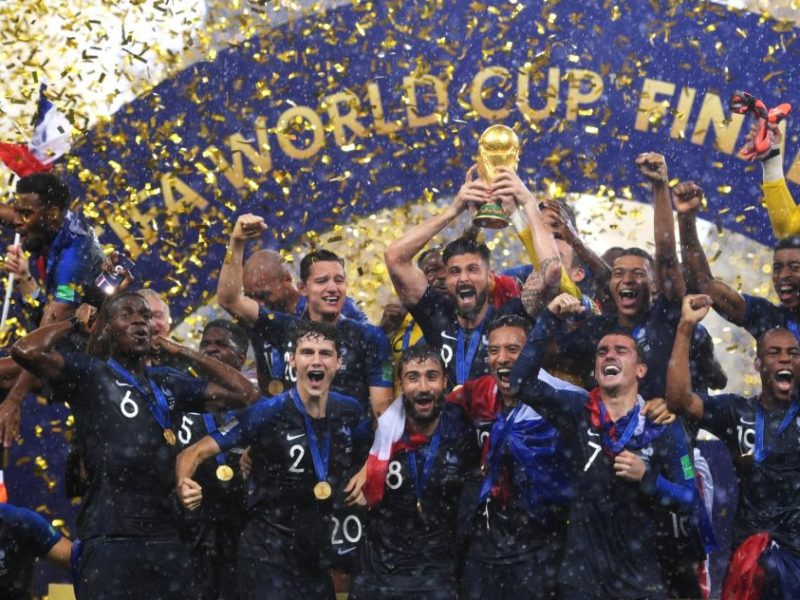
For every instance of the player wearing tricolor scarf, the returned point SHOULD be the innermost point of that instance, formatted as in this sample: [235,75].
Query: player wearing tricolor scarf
[763,436]
[628,470]
[415,473]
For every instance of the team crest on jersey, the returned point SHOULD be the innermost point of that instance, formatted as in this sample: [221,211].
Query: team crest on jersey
[347,434]
[450,459]
[646,454]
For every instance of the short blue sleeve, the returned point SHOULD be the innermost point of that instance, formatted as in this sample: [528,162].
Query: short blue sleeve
[31,527]
[761,315]
[73,271]
[351,311]
[243,429]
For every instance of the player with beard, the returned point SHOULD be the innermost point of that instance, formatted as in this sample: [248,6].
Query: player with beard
[409,547]
[521,506]
[763,436]
[756,315]
[123,415]
[213,531]
[267,280]
[455,322]
[306,443]
[627,469]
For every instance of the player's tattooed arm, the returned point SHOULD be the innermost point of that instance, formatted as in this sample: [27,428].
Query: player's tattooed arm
[539,289]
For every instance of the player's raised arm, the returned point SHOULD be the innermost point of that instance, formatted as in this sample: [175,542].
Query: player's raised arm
[679,395]
[668,270]
[409,281]
[230,291]
[687,197]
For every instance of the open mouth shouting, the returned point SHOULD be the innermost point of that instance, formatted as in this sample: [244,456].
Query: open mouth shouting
[610,370]
[502,376]
[316,375]
[787,293]
[466,294]
[628,297]
[423,403]
[784,380]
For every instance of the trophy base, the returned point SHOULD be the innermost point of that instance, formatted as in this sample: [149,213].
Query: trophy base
[491,216]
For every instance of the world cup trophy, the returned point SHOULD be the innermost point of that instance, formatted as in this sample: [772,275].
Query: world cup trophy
[497,147]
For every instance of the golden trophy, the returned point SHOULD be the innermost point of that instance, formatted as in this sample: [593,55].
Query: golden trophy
[497,147]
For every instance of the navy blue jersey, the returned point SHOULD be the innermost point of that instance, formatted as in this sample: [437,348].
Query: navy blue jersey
[412,551]
[288,526]
[24,537]
[611,548]
[130,468]
[655,335]
[769,493]
[269,360]
[761,315]
[436,315]
[365,357]
[223,501]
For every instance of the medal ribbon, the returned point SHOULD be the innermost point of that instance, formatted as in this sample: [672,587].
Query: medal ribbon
[792,326]
[761,453]
[463,363]
[320,459]
[617,446]
[411,457]
[159,409]
[497,442]
[211,427]
[407,336]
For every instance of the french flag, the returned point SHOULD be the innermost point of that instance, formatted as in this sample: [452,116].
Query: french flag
[52,139]
[391,425]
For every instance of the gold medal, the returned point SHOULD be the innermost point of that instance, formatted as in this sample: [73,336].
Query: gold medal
[169,435]
[224,473]
[322,491]
[275,387]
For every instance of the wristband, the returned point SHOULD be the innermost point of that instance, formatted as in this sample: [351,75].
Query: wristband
[517,219]
[772,166]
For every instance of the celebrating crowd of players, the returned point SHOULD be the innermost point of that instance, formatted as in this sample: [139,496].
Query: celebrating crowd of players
[529,434]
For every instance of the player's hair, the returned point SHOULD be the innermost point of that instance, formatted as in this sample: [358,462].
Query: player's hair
[315,257]
[763,336]
[787,243]
[640,357]
[633,251]
[238,335]
[508,320]
[307,328]
[420,353]
[466,245]
[426,253]
[50,189]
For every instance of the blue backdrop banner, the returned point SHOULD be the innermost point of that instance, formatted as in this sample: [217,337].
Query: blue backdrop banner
[375,105]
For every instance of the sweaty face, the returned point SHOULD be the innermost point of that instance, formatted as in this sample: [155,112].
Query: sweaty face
[131,327]
[423,384]
[217,343]
[316,361]
[30,221]
[616,364]
[786,276]
[631,278]
[435,272]
[326,289]
[778,364]
[468,283]
[505,344]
